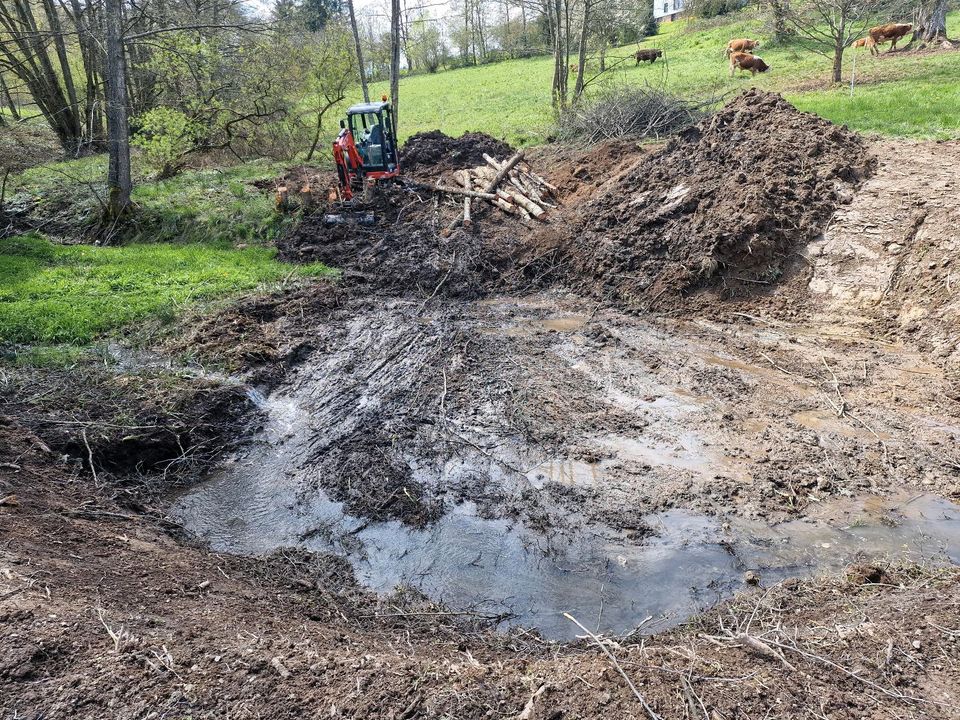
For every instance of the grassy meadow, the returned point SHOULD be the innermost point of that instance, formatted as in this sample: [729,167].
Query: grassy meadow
[69,294]
[912,95]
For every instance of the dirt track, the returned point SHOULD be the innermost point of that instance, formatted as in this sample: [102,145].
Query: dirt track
[565,425]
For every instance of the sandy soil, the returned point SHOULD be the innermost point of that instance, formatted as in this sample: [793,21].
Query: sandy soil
[549,406]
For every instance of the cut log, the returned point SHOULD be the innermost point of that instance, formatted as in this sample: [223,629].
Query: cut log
[495,183]
[282,201]
[306,198]
[463,191]
[465,179]
[549,186]
[526,203]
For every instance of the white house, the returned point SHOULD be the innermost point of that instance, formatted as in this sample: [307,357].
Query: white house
[667,10]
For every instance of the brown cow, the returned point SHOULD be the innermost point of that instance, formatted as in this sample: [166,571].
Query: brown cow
[746,61]
[741,45]
[649,56]
[863,42]
[574,68]
[891,33]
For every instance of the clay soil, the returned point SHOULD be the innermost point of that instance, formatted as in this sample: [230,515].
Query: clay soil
[767,362]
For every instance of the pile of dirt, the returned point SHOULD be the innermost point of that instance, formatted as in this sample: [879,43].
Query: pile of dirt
[398,241]
[433,152]
[723,205]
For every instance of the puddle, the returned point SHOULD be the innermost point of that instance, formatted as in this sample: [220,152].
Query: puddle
[565,323]
[567,472]
[604,577]
[609,579]
[825,421]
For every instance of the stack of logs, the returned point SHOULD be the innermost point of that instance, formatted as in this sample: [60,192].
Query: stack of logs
[510,186]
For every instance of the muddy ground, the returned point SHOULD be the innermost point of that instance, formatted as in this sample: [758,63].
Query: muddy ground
[496,370]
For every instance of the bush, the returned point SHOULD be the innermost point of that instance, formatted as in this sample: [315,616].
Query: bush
[630,111]
[165,136]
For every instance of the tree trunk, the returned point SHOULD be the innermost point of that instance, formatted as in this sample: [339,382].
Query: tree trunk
[8,98]
[838,58]
[65,71]
[931,22]
[582,57]
[89,52]
[395,60]
[779,9]
[119,182]
[523,26]
[356,42]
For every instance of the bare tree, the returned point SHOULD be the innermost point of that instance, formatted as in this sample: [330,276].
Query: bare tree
[829,26]
[778,13]
[119,181]
[356,40]
[25,52]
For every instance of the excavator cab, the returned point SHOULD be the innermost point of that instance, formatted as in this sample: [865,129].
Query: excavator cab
[366,148]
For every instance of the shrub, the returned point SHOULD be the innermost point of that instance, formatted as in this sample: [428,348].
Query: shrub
[631,111]
[165,136]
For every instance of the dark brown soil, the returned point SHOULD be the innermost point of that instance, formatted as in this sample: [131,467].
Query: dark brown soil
[406,251]
[262,336]
[106,611]
[432,153]
[723,205]
[140,432]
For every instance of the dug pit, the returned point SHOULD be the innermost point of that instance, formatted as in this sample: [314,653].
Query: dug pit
[485,418]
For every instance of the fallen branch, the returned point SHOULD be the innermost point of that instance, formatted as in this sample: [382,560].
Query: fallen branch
[465,191]
[616,664]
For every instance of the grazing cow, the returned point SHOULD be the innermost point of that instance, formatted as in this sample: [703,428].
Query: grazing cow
[649,56]
[746,61]
[574,68]
[741,45]
[891,33]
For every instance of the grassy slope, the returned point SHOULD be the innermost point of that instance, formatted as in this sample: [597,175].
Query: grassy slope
[915,95]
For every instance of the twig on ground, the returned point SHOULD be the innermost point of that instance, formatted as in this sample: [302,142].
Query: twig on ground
[616,664]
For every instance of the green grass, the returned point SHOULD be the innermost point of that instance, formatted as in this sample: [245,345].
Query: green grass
[915,95]
[55,294]
[217,205]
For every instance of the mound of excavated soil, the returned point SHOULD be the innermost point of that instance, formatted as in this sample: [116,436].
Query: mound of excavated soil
[406,250]
[724,204]
[433,152]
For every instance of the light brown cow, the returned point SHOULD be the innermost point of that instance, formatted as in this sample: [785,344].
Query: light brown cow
[863,42]
[746,61]
[891,33]
[741,45]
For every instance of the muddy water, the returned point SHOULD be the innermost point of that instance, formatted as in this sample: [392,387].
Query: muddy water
[609,579]
[668,566]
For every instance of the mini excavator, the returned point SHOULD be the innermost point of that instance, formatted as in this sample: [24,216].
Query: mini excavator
[365,150]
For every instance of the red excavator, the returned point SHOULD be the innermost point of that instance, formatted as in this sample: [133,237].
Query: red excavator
[366,148]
